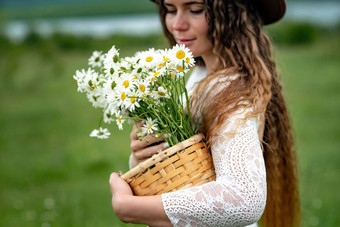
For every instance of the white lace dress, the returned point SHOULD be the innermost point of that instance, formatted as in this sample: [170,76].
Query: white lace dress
[238,196]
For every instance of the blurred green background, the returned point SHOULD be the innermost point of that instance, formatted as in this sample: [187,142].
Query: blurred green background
[53,174]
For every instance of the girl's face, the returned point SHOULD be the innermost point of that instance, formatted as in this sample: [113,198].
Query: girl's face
[185,20]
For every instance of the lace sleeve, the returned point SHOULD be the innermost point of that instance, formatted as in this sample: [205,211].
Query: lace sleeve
[238,196]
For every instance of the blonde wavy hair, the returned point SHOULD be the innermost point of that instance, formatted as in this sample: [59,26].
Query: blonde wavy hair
[242,47]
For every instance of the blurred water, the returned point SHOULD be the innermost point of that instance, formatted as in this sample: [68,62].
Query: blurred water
[321,13]
[98,27]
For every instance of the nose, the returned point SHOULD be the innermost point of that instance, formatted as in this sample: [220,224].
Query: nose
[180,22]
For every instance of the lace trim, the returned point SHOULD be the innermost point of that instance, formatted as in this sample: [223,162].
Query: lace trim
[238,196]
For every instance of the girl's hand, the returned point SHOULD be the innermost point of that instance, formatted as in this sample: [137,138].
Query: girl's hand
[142,150]
[136,209]
[121,192]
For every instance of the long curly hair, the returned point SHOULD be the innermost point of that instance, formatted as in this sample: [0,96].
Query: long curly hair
[243,49]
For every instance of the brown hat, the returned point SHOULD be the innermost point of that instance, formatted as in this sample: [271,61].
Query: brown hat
[270,10]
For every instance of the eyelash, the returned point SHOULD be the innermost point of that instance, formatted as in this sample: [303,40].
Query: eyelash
[192,11]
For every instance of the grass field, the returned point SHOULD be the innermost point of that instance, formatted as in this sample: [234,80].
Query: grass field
[53,174]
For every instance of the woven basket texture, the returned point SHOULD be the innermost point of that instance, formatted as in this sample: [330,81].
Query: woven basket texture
[184,165]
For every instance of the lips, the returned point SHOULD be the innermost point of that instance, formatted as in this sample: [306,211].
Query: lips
[186,42]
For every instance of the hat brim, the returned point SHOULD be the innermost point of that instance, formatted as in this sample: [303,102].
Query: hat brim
[270,11]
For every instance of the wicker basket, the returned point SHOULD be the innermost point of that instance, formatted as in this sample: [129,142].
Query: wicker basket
[182,166]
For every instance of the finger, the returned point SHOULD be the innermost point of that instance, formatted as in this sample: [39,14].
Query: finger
[140,124]
[147,141]
[113,177]
[133,134]
[148,152]
[136,127]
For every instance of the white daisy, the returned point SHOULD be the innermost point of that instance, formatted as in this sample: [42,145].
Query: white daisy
[108,115]
[143,88]
[111,70]
[160,93]
[149,127]
[101,133]
[149,58]
[79,77]
[132,102]
[126,81]
[122,98]
[111,57]
[126,65]
[120,120]
[96,60]
[90,81]
[97,98]
[181,56]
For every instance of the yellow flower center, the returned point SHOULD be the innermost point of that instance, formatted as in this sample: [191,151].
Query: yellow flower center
[119,120]
[135,78]
[150,126]
[123,96]
[133,99]
[95,85]
[180,54]
[179,68]
[156,74]
[161,93]
[161,64]
[173,75]
[187,60]
[126,83]
[142,88]
[166,59]
[148,59]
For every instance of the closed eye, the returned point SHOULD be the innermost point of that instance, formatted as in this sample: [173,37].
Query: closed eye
[170,11]
[197,11]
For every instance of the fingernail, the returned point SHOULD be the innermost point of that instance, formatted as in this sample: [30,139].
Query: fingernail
[165,146]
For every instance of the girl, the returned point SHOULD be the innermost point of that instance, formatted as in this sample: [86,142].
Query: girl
[237,99]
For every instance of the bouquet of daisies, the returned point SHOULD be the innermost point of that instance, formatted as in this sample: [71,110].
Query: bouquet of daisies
[148,87]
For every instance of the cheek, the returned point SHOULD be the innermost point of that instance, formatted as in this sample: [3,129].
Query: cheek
[203,28]
[168,23]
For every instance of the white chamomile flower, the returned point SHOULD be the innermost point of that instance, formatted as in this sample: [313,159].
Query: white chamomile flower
[149,127]
[96,60]
[111,57]
[111,70]
[149,58]
[151,78]
[181,56]
[108,115]
[90,81]
[79,77]
[126,65]
[132,101]
[110,84]
[112,107]
[101,133]
[160,93]
[122,98]
[120,120]
[126,81]
[143,88]
[97,98]
[165,56]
